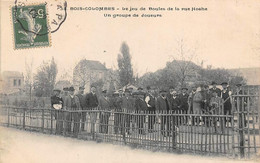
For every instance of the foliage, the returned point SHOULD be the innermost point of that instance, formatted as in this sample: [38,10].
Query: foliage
[168,76]
[125,66]
[217,75]
[45,78]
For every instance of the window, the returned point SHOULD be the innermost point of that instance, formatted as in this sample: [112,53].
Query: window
[15,82]
[19,82]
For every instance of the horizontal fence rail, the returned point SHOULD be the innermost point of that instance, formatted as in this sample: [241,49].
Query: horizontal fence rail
[156,131]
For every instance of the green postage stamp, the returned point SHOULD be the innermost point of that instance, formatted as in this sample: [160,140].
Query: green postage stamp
[30,25]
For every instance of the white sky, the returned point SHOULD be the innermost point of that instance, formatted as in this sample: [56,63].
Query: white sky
[225,35]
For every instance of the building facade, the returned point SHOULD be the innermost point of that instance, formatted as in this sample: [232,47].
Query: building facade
[89,72]
[12,82]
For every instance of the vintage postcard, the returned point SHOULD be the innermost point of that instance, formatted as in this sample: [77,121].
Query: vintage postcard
[129,81]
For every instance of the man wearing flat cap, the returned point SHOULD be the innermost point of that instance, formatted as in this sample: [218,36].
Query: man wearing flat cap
[57,104]
[215,89]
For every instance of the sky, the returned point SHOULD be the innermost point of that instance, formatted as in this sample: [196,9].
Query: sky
[224,36]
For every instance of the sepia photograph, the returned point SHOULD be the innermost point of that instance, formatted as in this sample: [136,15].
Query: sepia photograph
[129,81]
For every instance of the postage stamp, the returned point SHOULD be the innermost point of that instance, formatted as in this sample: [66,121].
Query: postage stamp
[30,25]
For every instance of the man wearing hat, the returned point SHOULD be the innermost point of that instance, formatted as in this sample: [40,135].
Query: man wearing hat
[150,101]
[118,116]
[226,96]
[140,90]
[57,104]
[162,105]
[131,89]
[128,106]
[215,89]
[105,105]
[82,102]
[184,106]
[72,103]
[190,99]
[170,93]
[141,107]
[91,104]
[65,93]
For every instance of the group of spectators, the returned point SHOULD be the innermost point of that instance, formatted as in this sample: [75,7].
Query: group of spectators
[200,100]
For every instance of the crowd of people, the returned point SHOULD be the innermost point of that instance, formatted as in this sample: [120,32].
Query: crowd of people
[200,100]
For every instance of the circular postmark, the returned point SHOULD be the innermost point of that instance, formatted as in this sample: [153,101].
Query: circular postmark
[39,18]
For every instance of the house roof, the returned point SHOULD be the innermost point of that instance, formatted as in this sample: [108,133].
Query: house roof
[12,74]
[93,65]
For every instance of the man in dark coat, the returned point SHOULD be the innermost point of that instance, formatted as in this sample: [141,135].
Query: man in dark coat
[57,104]
[105,105]
[72,103]
[184,106]
[128,106]
[65,93]
[162,106]
[150,101]
[215,89]
[226,96]
[141,107]
[118,116]
[82,102]
[184,100]
[190,102]
[92,104]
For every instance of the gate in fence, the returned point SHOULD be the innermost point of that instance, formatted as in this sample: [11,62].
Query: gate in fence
[235,135]
[246,117]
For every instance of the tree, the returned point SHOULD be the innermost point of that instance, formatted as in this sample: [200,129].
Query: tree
[124,65]
[45,78]
[183,57]
[29,78]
